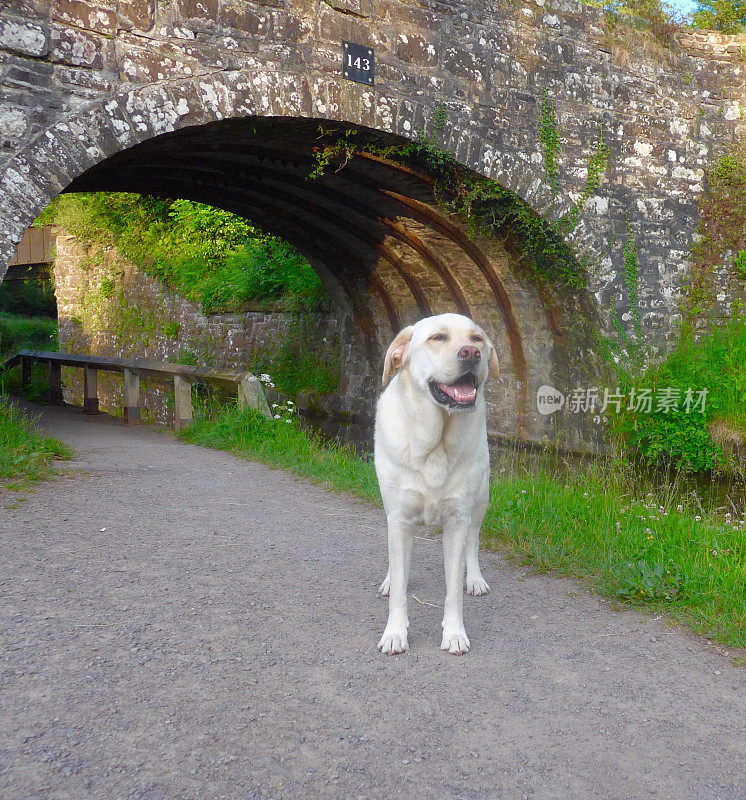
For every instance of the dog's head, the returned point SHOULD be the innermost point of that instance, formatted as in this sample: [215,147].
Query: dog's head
[448,357]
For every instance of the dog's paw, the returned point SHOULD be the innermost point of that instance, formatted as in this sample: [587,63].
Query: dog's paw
[393,641]
[477,586]
[384,588]
[455,642]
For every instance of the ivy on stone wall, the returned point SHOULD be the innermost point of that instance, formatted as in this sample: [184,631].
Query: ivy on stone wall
[488,207]
[632,277]
[721,236]
[550,141]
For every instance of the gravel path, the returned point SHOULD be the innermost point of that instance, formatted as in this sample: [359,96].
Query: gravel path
[178,623]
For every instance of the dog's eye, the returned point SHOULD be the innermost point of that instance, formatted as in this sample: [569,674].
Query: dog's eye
[476,338]
[439,337]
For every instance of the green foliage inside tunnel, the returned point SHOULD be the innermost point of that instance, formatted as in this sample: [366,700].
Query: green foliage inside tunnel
[208,255]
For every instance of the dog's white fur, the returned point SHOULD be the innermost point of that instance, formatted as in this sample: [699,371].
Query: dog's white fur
[432,464]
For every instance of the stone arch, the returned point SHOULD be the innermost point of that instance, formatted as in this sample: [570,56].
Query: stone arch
[450,272]
[45,167]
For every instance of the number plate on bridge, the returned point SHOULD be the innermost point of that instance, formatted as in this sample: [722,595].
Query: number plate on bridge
[358,63]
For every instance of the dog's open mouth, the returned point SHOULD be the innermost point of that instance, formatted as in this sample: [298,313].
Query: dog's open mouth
[462,393]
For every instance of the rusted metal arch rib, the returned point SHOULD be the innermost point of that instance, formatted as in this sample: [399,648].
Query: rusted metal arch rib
[408,238]
[412,283]
[388,303]
[429,217]
[278,159]
[363,317]
[417,244]
[289,184]
[483,264]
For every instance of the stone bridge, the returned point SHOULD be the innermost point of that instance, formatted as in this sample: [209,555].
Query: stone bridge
[221,100]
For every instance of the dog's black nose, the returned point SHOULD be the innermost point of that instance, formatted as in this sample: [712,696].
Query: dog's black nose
[469,354]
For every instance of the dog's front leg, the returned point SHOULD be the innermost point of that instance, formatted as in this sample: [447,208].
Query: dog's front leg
[401,540]
[455,532]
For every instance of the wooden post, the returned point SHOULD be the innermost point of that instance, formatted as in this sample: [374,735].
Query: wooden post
[251,395]
[26,364]
[131,397]
[55,384]
[90,390]
[183,415]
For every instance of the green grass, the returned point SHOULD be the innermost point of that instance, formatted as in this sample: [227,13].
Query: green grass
[593,524]
[26,333]
[283,444]
[656,550]
[24,455]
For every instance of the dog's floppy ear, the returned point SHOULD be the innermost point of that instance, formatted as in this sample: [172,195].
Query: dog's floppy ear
[492,363]
[396,353]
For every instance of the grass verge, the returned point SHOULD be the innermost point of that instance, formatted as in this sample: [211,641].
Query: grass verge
[281,443]
[31,333]
[644,549]
[24,455]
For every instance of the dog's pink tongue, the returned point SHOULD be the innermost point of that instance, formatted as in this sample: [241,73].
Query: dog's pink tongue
[461,394]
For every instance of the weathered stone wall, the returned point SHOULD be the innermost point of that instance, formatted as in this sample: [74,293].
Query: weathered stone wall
[82,79]
[108,307]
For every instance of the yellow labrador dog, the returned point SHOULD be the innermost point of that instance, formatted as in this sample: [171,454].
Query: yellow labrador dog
[432,462]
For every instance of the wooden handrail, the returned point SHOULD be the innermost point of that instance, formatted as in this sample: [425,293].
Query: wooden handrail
[249,390]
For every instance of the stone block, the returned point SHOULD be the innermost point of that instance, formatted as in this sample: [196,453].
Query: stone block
[19,36]
[137,14]
[91,16]
[198,9]
[76,48]
[249,21]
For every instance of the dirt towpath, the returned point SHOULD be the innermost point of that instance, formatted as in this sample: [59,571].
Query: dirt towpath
[181,624]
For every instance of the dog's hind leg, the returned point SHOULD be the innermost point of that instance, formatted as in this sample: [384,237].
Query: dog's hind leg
[475,583]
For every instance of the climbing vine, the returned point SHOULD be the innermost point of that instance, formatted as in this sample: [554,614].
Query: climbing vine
[631,277]
[549,136]
[721,233]
[596,169]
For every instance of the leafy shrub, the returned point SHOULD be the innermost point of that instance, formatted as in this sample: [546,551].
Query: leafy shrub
[721,229]
[299,364]
[715,361]
[207,254]
[726,16]
[31,297]
[171,328]
[740,264]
